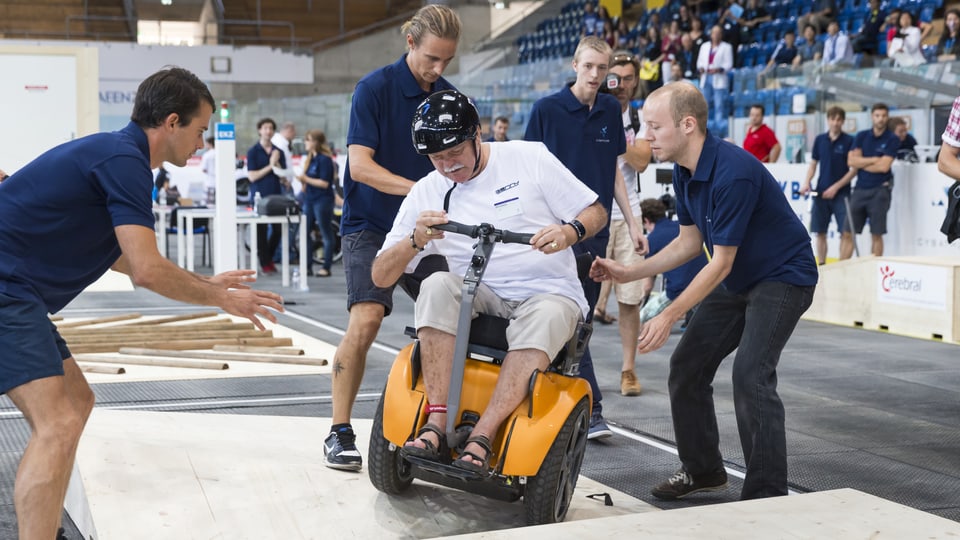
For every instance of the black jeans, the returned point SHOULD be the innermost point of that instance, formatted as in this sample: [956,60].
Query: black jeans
[591,289]
[266,247]
[758,324]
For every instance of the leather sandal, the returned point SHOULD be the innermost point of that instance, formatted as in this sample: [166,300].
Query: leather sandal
[481,468]
[603,317]
[429,451]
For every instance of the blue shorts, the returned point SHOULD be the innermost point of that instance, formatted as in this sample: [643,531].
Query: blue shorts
[359,251]
[872,204]
[32,348]
[824,208]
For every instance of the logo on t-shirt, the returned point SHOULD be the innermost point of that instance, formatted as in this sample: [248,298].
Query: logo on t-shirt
[603,135]
[506,187]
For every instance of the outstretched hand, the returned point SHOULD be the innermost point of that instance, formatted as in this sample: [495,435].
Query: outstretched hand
[607,269]
[654,333]
[234,279]
[252,305]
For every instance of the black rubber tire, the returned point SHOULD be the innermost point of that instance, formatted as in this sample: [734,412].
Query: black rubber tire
[548,495]
[389,472]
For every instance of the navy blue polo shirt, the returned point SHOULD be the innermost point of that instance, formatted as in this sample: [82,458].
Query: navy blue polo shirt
[58,213]
[680,277]
[586,140]
[321,166]
[258,158]
[381,112]
[832,156]
[872,146]
[734,201]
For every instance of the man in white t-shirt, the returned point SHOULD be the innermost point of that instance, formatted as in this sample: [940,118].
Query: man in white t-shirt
[630,295]
[518,186]
[208,164]
[282,139]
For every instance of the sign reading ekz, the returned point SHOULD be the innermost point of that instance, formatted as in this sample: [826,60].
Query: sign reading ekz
[225,132]
[912,285]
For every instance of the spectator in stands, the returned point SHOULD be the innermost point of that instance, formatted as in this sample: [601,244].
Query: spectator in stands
[904,48]
[891,24]
[713,62]
[823,12]
[754,14]
[809,50]
[872,155]
[697,35]
[830,151]
[591,21]
[728,21]
[907,151]
[948,47]
[625,39]
[759,281]
[687,59]
[499,131]
[651,70]
[867,39]
[785,53]
[380,171]
[670,48]
[837,52]
[760,140]
[263,161]
[609,33]
[683,18]
[561,121]
[621,247]
[661,230]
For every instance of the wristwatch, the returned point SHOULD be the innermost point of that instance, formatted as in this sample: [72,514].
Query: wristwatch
[577,226]
[413,241]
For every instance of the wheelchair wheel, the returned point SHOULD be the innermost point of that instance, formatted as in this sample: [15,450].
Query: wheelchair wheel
[548,494]
[389,472]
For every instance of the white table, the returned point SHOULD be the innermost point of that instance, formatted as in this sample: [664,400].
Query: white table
[185,257]
[162,214]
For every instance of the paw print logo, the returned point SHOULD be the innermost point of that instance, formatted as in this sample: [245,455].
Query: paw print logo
[886,272]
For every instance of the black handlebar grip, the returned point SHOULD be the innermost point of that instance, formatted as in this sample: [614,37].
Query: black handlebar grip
[516,238]
[456,227]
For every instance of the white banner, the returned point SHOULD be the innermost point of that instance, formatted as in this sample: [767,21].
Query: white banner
[913,285]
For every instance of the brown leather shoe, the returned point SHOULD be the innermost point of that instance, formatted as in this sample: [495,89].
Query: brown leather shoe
[629,385]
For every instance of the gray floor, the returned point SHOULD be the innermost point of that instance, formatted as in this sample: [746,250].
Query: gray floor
[866,410]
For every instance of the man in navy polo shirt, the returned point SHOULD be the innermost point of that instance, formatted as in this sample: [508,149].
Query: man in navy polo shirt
[381,168]
[830,150]
[872,155]
[584,129]
[65,218]
[759,280]
[262,158]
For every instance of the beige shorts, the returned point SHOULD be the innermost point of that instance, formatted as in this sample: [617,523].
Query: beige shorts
[544,321]
[620,248]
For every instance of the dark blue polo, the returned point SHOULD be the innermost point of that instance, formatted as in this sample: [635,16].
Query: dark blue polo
[734,201]
[832,156]
[257,158]
[587,140]
[380,116]
[58,213]
[872,146]
[680,277]
[321,167]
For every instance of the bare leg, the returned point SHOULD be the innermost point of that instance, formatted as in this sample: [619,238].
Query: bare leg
[604,296]
[510,390]
[877,245]
[436,358]
[846,246]
[629,333]
[57,409]
[350,359]
[822,248]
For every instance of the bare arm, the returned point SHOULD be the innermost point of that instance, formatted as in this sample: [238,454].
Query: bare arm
[623,201]
[144,264]
[831,191]
[880,164]
[684,247]
[365,170]
[774,154]
[811,170]
[255,175]
[948,162]
[638,155]
[856,160]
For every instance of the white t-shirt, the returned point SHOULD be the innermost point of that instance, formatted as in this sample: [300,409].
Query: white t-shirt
[208,164]
[522,189]
[283,144]
[629,173]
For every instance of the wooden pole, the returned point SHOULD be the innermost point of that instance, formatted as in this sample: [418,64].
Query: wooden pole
[99,320]
[263,350]
[136,339]
[183,345]
[156,362]
[108,370]
[212,355]
[175,318]
[159,330]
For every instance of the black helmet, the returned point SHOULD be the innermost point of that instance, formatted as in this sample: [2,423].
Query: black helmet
[444,120]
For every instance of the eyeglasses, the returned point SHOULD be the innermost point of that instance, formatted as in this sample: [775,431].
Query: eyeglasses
[624,59]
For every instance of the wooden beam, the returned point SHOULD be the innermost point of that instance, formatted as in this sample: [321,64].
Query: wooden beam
[171,330]
[108,370]
[263,350]
[184,345]
[175,318]
[137,339]
[156,362]
[212,355]
[99,320]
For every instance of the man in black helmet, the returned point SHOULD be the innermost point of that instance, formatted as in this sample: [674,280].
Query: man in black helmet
[515,185]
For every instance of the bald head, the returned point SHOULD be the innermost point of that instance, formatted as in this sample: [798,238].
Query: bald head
[684,99]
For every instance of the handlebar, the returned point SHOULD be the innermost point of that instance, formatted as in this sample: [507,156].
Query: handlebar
[487,230]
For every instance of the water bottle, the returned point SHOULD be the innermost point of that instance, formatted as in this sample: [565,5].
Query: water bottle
[256,203]
[295,278]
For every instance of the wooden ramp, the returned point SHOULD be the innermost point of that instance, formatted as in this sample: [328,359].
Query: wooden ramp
[911,296]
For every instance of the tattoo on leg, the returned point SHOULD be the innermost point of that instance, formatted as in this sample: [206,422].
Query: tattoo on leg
[337,367]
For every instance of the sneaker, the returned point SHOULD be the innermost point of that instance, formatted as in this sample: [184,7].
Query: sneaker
[682,484]
[269,268]
[629,385]
[598,427]
[340,451]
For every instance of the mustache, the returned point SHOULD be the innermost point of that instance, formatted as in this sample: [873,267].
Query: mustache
[453,169]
